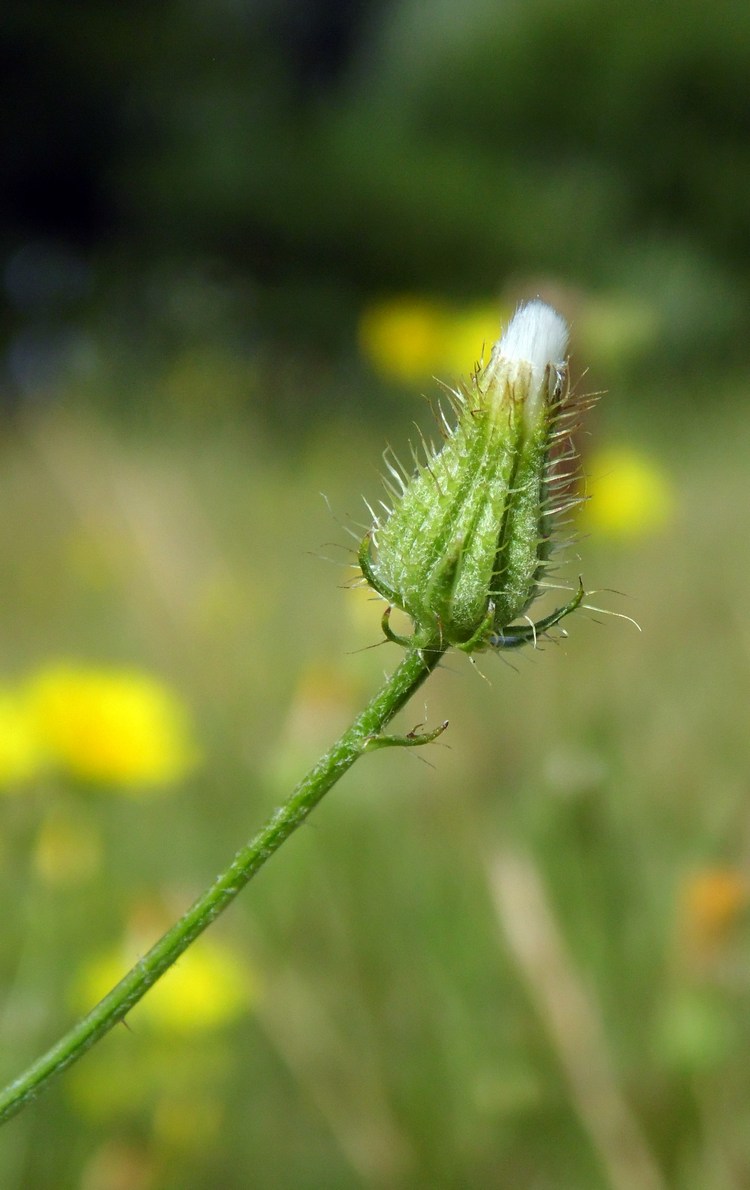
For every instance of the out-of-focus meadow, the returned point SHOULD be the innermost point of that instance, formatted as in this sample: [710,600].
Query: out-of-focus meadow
[237,247]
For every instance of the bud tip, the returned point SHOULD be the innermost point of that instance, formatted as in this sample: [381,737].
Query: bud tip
[536,335]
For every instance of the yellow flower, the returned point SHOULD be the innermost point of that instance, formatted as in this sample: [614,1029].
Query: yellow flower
[630,494]
[111,725]
[402,338]
[468,338]
[712,902]
[20,754]
[408,339]
[207,988]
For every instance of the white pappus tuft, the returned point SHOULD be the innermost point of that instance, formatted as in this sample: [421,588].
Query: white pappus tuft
[536,335]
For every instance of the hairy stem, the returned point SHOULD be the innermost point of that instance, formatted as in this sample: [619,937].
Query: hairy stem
[420,660]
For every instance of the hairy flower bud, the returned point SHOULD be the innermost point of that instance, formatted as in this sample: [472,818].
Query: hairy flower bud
[465,545]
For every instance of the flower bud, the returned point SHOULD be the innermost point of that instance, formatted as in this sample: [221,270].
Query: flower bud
[465,544]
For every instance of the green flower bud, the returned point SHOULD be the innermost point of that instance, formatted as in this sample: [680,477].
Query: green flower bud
[466,543]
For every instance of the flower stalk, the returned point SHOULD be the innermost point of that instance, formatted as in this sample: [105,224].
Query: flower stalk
[364,734]
[463,552]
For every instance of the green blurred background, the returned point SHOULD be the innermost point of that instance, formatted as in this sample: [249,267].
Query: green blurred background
[237,240]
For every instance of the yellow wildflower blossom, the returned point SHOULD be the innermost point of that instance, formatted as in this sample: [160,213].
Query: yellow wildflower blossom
[712,902]
[207,988]
[408,339]
[402,338]
[630,494]
[111,725]
[20,754]
[468,338]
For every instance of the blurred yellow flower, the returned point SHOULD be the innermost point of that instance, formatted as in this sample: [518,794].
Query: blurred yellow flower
[630,494]
[208,987]
[711,903]
[402,338]
[408,339]
[115,726]
[469,337]
[20,753]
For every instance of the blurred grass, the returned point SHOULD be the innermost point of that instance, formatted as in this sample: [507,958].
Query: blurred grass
[395,1039]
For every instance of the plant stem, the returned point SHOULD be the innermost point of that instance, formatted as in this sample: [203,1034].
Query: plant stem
[415,667]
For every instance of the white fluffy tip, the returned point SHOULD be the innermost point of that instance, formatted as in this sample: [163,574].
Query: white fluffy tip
[536,335]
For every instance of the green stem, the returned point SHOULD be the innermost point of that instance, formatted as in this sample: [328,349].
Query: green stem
[416,666]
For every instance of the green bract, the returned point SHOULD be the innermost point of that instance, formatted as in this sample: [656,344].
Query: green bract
[466,543]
